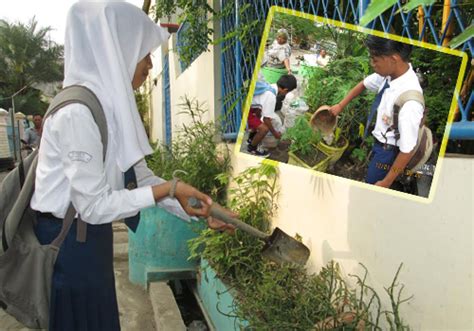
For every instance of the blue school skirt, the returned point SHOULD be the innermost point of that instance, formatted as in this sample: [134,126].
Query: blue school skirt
[83,287]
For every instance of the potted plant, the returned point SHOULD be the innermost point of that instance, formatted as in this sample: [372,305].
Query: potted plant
[302,150]
[330,87]
[332,143]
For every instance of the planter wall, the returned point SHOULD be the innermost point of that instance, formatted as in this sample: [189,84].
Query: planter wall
[217,300]
[158,250]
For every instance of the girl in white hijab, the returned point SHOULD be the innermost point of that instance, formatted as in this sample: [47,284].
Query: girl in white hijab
[107,50]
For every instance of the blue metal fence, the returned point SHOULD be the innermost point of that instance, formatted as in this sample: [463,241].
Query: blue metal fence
[239,56]
[167,98]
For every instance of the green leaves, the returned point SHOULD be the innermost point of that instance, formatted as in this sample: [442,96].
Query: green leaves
[412,4]
[375,9]
[463,37]
[195,150]
[303,138]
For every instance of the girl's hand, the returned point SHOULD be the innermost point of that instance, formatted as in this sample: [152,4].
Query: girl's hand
[184,191]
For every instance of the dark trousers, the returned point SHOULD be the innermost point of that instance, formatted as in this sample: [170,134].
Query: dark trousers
[381,161]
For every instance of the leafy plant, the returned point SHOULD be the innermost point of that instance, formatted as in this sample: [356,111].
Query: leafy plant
[328,87]
[361,154]
[238,256]
[303,138]
[196,151]
[271,296]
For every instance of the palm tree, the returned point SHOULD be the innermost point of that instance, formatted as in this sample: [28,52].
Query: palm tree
[27,57]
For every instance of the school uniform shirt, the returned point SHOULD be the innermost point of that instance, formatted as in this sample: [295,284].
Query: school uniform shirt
[410,114]
[268,102]
[71,168]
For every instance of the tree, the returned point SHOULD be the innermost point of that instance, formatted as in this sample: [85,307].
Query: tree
[27,57]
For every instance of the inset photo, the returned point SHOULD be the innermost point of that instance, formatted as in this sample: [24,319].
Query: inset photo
[343,100]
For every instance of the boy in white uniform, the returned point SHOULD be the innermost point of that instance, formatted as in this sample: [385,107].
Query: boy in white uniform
[393,76]
[265,96]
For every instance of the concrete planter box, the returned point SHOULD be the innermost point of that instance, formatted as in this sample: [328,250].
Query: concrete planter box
[217,300]
[159,248]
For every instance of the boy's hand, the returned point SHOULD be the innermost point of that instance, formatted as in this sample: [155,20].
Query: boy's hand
[336,109]
[277,134]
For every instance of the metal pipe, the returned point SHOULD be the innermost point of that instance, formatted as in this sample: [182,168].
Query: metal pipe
[12,120]
[447,26]
[238,72]
[421,21]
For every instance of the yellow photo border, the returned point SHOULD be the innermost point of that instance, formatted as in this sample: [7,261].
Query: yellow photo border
[339,24]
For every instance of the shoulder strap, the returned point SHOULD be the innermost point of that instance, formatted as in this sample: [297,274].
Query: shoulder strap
[400,101]
[81,94]
[69,95]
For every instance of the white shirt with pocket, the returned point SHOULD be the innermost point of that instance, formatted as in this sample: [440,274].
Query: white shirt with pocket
[409,116]
[71,168]
[268,102]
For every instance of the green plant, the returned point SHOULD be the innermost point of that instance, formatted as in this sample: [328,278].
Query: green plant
[271,296]
[328,87]
[196,151]
[361,154]
[303,138]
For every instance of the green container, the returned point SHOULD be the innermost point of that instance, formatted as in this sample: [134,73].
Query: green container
[272,75]
[321,166]
[158,250]
[217,300]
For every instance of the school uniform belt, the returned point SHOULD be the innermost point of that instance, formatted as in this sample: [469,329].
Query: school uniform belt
[386,147]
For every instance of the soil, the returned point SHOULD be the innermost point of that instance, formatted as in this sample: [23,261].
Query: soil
[340,143]
[346,168]
[312,159]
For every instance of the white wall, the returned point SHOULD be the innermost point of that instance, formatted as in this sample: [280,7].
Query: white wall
[351,224]
[197,81]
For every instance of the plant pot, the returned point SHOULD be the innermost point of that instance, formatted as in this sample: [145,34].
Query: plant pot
[272,75]
[334,153]
[321,166]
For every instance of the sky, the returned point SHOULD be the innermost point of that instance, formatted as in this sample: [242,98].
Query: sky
[47,12]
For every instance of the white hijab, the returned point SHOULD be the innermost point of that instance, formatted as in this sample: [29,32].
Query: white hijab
[104,42]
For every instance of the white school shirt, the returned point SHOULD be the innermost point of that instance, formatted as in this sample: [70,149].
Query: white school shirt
[409,116]
[71,168]
[268,102]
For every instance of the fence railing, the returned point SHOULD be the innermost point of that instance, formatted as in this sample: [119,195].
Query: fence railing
[434,24]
